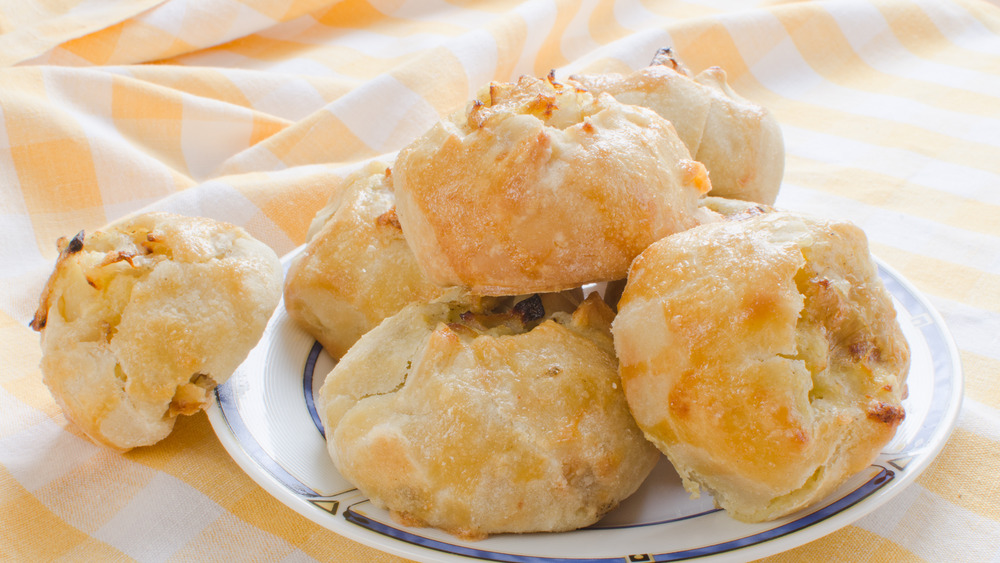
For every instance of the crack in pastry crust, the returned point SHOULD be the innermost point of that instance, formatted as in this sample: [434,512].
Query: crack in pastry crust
[763,356]
[480,429]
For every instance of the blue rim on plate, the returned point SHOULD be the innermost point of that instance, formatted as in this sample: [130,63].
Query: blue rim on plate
[266,418]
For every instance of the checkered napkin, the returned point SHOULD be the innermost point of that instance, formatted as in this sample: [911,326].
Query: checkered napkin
[251,111]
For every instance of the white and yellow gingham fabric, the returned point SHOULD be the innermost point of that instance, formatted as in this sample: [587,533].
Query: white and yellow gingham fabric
[250,111]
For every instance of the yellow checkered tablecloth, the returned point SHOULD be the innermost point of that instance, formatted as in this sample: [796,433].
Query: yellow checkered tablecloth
[251,111]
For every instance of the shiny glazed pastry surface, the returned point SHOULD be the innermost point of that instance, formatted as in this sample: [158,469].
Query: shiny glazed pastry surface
[357,269]
[539,186]
[763,356]
[738,141]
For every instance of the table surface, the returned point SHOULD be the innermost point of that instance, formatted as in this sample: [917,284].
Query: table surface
[253,111]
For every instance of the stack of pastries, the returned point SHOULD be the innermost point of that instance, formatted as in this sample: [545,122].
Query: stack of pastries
[478,390]
[482,385]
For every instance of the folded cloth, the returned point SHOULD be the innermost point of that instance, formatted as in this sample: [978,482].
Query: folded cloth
[253,111]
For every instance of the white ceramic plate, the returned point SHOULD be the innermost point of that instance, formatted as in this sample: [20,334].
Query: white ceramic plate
[265,418]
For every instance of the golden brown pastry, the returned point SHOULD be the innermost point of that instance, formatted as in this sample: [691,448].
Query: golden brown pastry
[740,142]
[763,356]
[539,186]
[484,423]
[357,269]
[139,322]
[719,209]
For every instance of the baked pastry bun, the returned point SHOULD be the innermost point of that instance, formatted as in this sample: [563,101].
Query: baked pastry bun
[763,356]
[510,421]
[139,322]
[740,142]
[357,269]
[540,187]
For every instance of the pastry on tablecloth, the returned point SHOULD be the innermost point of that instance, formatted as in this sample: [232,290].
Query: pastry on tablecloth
[139,322]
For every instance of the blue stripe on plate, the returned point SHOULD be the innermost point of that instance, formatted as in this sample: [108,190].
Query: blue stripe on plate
[307,386]
[429,543]
[230,412]
[883,477]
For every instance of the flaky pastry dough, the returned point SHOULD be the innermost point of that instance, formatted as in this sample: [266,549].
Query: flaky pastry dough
[357,269]
[538,186]
[139,322]
[740,142]
[480,424]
